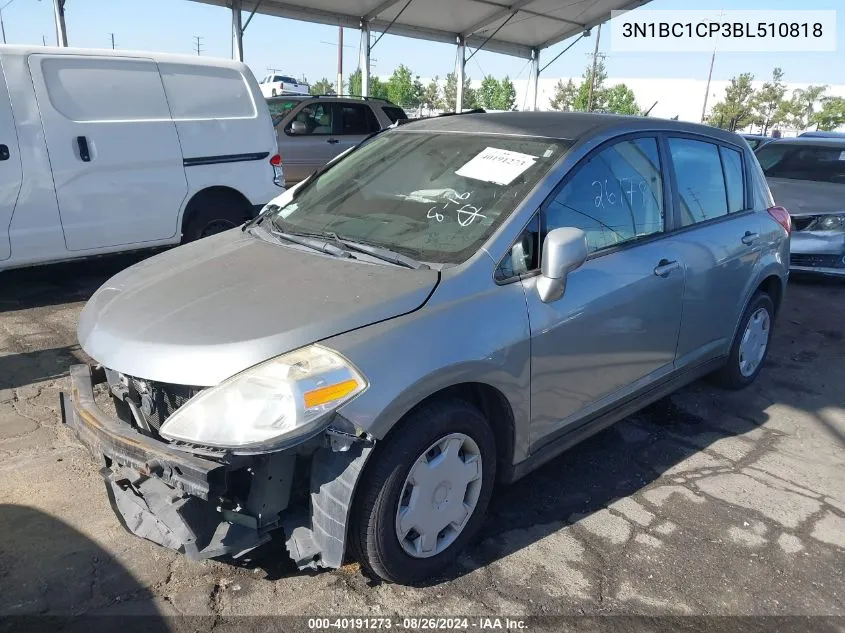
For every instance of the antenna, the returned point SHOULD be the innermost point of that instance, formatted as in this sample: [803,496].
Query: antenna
[198,44]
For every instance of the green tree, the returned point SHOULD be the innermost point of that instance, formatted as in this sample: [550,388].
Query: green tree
[581,102]
[735,111]
[378,88]
[767,102]
[802,105]
[431,98]
[450,93]
[322,87]
[505,95]
[831,115]
[620,100]
[564,96]
[355,82]
[488,92]
[400,87]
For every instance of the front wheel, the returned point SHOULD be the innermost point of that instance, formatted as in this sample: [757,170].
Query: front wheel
[750,346]
[425,494]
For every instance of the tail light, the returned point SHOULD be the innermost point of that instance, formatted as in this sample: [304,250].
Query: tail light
[782,217]
[278,172]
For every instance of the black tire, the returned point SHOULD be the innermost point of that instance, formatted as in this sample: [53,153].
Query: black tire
[730,376]
[275,93]
[372,532]
[214,216]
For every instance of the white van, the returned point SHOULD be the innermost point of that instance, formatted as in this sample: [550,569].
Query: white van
[104,151]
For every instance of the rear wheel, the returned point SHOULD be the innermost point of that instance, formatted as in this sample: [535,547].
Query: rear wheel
[425,494]
[214,215]
[750,346]
[275,93]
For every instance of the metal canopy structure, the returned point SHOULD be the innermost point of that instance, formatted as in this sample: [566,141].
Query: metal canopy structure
[522,28]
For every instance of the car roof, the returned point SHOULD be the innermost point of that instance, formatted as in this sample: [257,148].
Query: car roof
[560,125]
[811,141]
[349,99]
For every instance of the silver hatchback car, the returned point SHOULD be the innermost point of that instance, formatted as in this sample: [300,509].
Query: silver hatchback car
[449,305]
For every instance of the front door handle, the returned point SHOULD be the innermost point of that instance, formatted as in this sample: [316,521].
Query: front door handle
[749,238]
[664,267]
[4,152]
[333,141]
[82,144]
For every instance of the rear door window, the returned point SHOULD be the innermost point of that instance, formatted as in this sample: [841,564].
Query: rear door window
[357,119]
[701,182]
[803,162]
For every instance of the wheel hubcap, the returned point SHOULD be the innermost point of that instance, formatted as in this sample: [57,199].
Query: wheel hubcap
[216,226]
[755,339]
[439,495]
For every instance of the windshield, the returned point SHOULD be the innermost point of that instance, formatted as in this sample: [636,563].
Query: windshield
[803,162]
[435,197]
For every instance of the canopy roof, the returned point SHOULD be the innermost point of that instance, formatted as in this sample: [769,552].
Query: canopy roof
[514,27]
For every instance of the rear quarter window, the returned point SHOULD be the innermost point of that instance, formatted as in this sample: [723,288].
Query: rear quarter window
[207,92]
[394,113]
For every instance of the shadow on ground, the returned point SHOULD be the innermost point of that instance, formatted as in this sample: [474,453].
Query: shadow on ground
[50,573]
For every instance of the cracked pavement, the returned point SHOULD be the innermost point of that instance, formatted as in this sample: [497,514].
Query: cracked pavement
[708,502]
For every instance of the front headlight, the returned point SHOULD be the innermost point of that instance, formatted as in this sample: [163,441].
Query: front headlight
[827,223]
[279,400]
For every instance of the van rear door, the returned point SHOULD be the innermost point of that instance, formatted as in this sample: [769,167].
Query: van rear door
[10,168]
[113,147]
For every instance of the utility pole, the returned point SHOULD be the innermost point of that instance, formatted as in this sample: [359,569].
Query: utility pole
[198,44]
[112,40]
[593,73]
[44,40]
[339,89]
[710,74]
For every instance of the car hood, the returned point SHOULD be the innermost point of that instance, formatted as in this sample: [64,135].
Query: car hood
[807,197]
[200,313]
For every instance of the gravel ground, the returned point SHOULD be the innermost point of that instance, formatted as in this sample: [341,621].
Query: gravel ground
[707,503]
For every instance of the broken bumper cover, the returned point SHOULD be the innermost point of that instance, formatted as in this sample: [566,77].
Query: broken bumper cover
[173,498]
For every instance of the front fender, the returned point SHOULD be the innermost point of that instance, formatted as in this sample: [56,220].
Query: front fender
[459,336]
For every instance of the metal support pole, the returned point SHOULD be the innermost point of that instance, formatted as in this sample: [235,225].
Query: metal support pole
[460,67]
[2,26]
[237,32]
[339,87]
[535,76]
[61,29]
[364,62]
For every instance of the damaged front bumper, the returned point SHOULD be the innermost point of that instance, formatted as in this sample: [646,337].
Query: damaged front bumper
[207,507]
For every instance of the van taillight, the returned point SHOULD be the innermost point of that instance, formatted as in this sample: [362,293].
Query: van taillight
[782,217]
[278,173]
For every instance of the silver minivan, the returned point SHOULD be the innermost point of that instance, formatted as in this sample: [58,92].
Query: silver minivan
[449,305]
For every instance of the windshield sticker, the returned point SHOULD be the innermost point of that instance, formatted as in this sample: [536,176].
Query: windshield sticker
[499,166]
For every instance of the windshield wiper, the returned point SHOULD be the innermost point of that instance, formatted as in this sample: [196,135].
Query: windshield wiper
[379,252]
[368,248]
[314,242]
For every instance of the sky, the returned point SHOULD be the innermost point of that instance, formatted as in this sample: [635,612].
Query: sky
[311,49]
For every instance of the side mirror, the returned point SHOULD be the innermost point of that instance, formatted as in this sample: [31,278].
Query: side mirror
[564,250]
[298,128]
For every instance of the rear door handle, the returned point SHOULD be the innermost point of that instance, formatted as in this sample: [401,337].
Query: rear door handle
[82,144]
[749,238]
[664,267]
[4,152]
[333,141]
